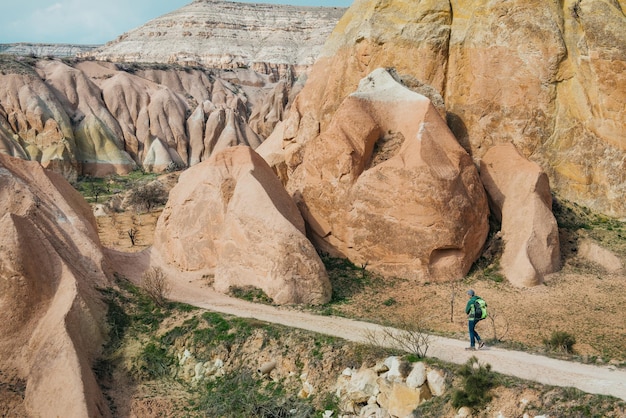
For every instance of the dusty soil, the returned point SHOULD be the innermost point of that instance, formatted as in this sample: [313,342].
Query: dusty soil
[581,300]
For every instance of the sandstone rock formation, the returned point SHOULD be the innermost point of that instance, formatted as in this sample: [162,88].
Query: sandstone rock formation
[387,185]
[102,118]
[223,34]
[547,77]
[52,320]
[592,251]
[551,79]
[97,133]
[231,217]
[33,122]
[519,193]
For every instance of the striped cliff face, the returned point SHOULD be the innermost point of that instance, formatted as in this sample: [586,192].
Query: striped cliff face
[223,34]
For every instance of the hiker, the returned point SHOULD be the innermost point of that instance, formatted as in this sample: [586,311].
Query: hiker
[472,320]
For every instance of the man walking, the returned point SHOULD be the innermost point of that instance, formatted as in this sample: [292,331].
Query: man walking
[470,310]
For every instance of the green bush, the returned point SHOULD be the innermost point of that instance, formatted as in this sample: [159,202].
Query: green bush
[153,362]
[477,381]
[560,341]
[241,394]
[251,294]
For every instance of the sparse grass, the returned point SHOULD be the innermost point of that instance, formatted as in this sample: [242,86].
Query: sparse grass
[11,64]
[251,294]
[144,314]
[153,362]
[241,394]
[560,341]
[346,278]
[571,402]
[100,189]
[575,221]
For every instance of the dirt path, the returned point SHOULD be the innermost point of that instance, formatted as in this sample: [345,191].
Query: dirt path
[605,380]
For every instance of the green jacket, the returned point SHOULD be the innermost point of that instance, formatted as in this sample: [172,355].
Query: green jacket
[470,310]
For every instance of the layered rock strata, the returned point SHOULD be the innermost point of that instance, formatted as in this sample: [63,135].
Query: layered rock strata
[388,186]
[46,50]
[222,34]
[231,217]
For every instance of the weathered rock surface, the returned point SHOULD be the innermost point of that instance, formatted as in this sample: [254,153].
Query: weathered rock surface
[45,50]
[222,34]
[388,185]
[51,317]
[519,194]
[33,122]
[102,118]
[373,392]
[592,251]
[411,37]
[551,79]
[547,77]
[97,133]
[230,216]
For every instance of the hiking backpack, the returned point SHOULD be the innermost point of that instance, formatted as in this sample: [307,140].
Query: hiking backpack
[480,309]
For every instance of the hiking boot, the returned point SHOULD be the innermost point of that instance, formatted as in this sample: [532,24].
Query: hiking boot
[481,344]
[470,348]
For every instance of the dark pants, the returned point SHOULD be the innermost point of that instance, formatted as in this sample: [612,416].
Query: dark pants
[472,332]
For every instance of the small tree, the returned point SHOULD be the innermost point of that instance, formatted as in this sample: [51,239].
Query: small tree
[478,379]
[132,234]
[493,316]
[155,283]
[148,196]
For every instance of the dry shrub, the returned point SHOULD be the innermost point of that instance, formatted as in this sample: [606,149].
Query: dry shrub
[154,282]
[410,336]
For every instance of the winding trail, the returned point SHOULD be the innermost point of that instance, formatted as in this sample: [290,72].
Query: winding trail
[604,380]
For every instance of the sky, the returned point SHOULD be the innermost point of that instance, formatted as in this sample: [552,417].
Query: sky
[94,22]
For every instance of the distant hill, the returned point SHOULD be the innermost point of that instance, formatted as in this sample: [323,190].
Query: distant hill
[222,34]
[45,50]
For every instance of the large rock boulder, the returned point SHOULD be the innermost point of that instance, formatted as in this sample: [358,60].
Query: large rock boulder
[387,185]
[51,318]
[230,216]
[519,193]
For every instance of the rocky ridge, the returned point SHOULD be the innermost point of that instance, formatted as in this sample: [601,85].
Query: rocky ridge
[97,119]
[45,50]
[222,34]
[53,319]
